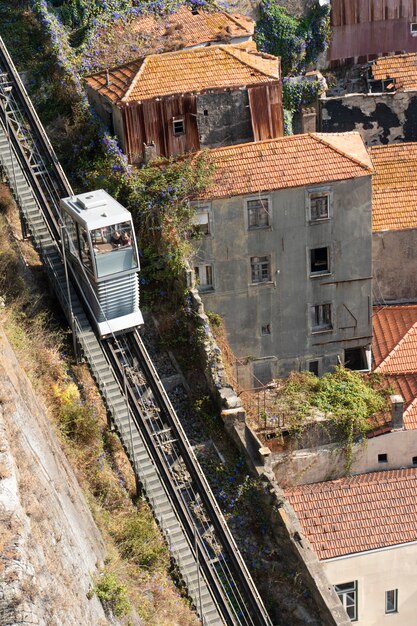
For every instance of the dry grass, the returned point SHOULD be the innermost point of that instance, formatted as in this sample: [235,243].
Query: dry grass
[96,455]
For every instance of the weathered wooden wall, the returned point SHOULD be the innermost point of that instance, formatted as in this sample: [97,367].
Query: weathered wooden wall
[265,104]
[151,121]
[345,12]
[364,29]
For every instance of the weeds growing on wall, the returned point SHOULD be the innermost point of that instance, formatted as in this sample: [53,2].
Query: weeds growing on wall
[345,397]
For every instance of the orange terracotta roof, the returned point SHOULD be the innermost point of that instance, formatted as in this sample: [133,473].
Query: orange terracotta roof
[193,29]
[403,357]
[394,335]
[185,71]
[394,186]
[390,324]
[292,161]
[402,67]
[358,513]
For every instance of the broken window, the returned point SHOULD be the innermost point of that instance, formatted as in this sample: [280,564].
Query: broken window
[260,269]
[355,359]
[348,596]
[321,317]
[178,126]
[204,276]
[319,206]
[266,329]
[258,213]
[202,220]
[313,367]
[319,261]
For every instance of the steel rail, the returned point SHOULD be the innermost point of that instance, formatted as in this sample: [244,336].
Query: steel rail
[232,588]
[256,611]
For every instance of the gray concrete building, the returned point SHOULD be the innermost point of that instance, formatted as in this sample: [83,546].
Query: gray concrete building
[285,253]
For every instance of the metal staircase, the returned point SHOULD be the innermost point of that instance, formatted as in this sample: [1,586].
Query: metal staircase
[213,570]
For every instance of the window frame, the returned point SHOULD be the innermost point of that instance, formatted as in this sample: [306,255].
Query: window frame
[252,262]
[325,272]
[342,593]
[395,603]
[258,198]
[174,121]
[204,209]
[321,329]
[321,191]
[204,286]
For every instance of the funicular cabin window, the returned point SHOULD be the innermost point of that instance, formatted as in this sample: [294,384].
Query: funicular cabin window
[258,213]
[114,249]
[319,206]
[178,126]
[260,269]
[85,251]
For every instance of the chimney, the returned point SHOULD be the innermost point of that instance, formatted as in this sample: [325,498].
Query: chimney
[397,410]
[108,81]
[149,152]
[308,120]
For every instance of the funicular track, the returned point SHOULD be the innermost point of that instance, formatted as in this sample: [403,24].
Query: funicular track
[150,431]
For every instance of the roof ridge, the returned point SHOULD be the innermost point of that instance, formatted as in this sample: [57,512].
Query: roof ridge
[228,50]
[397,347]
[232,17]
[318,137]
[136,78]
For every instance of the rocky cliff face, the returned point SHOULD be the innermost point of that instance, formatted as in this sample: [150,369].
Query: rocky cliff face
[49,544]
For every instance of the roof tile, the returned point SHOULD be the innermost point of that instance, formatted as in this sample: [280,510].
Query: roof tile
[394,186]
[383,501]
[402,67]
[185,71]
[292,161]
[194,27]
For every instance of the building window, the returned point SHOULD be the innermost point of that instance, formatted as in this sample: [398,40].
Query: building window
[319,261]
[321,317]
[258,213]
[414,460]
[204,276]
[178,126]
[413,29]
[348,594]
[319,206]
[391,601]
[202,221]
[382,458]
[313,367]
[260,269]
[265,329]
[355,359]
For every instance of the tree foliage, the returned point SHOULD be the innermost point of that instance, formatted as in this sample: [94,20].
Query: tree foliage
[298,42]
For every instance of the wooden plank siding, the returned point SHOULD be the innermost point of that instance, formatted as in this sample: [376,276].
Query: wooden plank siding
[365,29]
[347,12]
[152,121]
[265,102]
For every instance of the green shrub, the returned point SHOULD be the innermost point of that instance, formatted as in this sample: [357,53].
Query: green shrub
[112,594]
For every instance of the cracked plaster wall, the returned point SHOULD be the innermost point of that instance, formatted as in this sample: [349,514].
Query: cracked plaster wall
[380,118]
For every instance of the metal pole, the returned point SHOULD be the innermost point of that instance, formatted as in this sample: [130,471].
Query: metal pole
[71,314]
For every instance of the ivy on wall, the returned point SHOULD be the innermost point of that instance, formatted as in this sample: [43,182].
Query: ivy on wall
[298,42]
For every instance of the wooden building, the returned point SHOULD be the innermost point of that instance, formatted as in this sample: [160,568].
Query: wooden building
[196,98]
[366,29]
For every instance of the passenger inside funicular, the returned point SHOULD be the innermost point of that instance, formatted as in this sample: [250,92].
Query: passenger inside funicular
[113,249]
